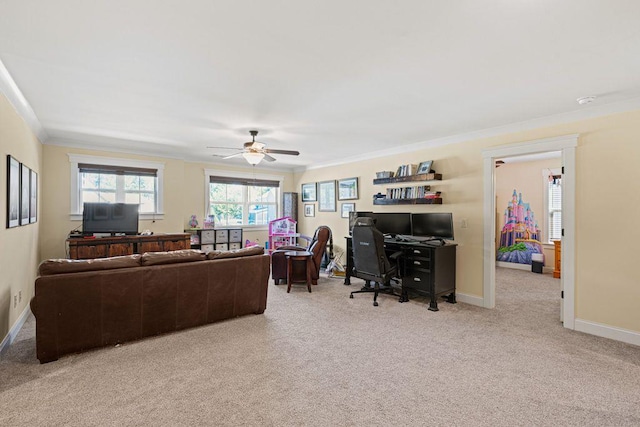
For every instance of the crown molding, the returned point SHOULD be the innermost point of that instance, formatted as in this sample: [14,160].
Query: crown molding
[590,112]
[13,93]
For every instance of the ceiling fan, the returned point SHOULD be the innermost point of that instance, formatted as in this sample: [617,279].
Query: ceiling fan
[254,151]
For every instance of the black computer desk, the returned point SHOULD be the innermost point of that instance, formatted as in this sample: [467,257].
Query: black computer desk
[425,269]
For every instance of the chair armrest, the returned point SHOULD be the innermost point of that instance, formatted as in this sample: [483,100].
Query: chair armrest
[394,256]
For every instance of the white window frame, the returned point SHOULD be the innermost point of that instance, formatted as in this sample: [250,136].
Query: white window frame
[75,159]
[208,173]
[545,191]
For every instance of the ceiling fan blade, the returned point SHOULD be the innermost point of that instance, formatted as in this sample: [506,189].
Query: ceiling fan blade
[268,158]
[288,152]
[231,156]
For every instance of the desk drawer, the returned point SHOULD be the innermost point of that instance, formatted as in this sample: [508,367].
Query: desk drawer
[417,280]
[424,253]
[419,264]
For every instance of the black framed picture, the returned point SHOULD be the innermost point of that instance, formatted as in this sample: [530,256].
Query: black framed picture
[25,186]
[327,196]
[33,197]
[13,192]
[309,192]
[348,189]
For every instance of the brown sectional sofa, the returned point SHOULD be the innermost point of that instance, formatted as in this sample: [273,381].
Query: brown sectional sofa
[84,304]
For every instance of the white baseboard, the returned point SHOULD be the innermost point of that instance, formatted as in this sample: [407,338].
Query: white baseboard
[13,332]
[606,331]
[470,299]
[513,265]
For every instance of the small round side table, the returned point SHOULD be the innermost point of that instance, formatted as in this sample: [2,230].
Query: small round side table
[293,256]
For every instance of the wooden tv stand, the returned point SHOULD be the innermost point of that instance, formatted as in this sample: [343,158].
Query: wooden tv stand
[102,247]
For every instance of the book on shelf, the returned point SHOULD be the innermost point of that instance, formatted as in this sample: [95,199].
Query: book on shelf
[406,170]
[417,192]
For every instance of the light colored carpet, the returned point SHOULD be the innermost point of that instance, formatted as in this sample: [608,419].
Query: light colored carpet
[325,359]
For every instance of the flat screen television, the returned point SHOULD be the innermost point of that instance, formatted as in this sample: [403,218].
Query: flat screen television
[112,218]
[433,224]
[393,223]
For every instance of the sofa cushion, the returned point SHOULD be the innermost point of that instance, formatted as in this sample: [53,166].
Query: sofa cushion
[62,266]
[172,257]
[235,253]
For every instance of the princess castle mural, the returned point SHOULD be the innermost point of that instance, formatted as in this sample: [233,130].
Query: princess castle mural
[519,238]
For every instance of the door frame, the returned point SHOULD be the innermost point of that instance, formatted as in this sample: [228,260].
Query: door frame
[566,144]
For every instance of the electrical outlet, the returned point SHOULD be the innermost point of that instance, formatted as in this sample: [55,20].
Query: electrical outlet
[15,301]
[465,223]
[19,296]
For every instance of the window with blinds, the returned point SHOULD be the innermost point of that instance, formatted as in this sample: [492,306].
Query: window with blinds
[554,203]
[118,184]
[243,201]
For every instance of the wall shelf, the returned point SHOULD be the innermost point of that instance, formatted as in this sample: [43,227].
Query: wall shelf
[423,201]
[410,178]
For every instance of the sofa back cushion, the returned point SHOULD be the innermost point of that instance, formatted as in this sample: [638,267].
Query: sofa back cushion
[172,257]
[236,253]
[62,266]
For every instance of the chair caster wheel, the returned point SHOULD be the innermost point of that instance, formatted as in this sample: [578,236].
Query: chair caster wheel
[351,296]
[375,303]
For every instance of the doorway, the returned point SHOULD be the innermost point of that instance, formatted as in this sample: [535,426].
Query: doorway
[566,145]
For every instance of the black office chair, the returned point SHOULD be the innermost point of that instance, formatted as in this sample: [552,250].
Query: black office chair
[371,262]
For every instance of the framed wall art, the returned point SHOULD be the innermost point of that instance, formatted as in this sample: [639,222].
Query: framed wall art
[327,196]
[310,210]
[345,208]
[33,197]
[13,192]
[25,186]
[348,189]
[425,167]
[309,192]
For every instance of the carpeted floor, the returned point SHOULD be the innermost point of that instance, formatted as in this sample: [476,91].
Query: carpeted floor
[324,359]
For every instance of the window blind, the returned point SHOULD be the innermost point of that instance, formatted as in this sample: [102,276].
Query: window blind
[243,181]
[116,170]
[555,208]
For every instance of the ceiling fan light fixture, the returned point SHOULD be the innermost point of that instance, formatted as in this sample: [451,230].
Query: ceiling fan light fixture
[253,158]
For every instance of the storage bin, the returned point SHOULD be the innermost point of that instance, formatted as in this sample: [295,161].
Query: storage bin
[536,266]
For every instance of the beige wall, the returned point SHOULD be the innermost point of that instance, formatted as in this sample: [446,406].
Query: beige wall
[184,195]
[525,178]
[607,282]
[19,250]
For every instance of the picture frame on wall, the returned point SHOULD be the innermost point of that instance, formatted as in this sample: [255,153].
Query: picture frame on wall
[308,192]
[348,189]
[25,186]
[13,192]
[310,210]
[345,208]
[425,167]
[327,196]
[33,197]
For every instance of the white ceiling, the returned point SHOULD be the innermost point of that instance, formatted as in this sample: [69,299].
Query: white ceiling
[332,79]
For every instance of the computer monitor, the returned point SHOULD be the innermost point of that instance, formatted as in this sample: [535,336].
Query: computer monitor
[393,223]
[433,224]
